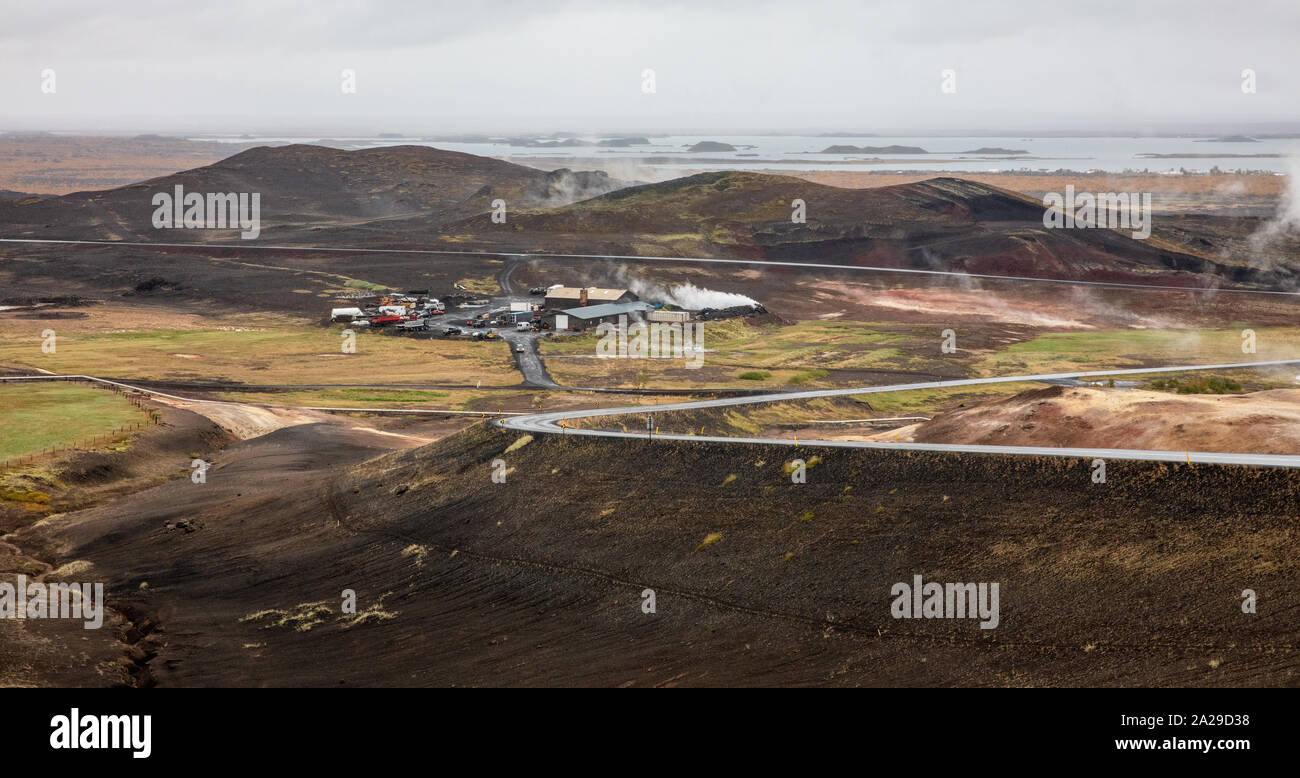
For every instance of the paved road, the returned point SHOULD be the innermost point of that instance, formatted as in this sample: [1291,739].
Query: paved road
[250,246]
[553,422]
[529,361]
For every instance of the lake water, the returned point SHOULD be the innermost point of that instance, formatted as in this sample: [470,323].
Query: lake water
[1111,154]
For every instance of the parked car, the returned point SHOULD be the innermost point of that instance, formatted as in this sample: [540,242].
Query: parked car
[451,331]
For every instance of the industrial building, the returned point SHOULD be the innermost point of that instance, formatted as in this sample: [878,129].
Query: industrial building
[559,297]
[583,318]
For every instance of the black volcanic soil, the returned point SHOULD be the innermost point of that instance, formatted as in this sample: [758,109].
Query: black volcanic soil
[537,581]
[62,652]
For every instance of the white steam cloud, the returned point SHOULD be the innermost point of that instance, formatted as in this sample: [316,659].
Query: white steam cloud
[687,295]
[1287,220]
[693,297]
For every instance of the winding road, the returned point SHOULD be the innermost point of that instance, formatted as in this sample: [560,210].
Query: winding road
[554,422]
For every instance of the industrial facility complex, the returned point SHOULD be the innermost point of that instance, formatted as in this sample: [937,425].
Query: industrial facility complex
[563,309]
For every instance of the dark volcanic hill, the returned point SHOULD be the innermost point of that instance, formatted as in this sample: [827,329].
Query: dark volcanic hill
[940,224]
[305,186]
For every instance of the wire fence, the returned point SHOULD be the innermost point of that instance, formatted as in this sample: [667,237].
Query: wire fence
[153,418]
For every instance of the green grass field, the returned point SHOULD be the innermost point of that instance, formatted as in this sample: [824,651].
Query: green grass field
[1063,352]
[267,355]
[39,416]
[739,354]
[932,401]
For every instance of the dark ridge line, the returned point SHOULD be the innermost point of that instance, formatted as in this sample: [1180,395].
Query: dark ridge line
[635,258]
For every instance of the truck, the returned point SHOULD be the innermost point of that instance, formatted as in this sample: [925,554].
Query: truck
[345,314]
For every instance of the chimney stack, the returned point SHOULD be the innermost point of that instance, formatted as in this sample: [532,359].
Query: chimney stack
[582,296]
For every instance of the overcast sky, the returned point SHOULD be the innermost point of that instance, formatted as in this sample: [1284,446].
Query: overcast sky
[263,66]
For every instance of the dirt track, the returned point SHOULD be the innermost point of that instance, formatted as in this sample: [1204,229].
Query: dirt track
[246,421]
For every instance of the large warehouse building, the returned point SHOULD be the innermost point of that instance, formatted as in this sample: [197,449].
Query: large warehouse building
[592,315]
[558,297]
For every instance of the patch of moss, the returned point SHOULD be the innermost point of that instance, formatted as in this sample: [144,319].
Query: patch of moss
[520,443]
[25,495]
[709,539]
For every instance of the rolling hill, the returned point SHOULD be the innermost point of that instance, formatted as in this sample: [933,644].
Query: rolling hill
[939,224]
[303,187]
[419,197]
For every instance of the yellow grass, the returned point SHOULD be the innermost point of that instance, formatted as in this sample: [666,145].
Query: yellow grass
[277,354]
